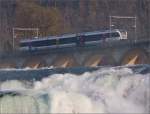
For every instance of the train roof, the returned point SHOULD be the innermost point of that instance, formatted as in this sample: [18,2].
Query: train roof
[101,32]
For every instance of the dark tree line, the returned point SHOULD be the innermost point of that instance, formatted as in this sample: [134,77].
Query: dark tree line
[54,17]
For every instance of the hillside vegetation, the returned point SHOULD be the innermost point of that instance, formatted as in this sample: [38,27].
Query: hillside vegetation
[55,17]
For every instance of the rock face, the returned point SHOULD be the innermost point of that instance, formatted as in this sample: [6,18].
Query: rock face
[86,15]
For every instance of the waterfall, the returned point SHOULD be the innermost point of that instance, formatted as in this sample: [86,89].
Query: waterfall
[106,90]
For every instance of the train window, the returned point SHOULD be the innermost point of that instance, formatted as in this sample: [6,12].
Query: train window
[115,34]
[67,40]
[112,35]
[48,42]
[93,37]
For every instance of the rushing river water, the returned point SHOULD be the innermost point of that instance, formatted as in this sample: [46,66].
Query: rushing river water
[106,90]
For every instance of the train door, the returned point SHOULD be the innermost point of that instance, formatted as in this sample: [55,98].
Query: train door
[80,40]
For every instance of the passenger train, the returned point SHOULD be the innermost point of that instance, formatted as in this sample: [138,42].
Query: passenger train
[79,39]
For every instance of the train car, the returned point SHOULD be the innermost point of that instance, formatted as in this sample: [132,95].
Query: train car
[99,36]
[38,43]
[79,39]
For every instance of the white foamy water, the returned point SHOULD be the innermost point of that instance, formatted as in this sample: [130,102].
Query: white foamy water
[106,90]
